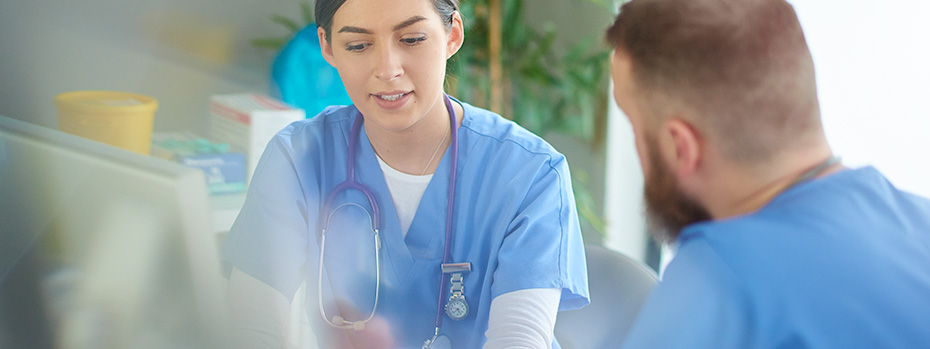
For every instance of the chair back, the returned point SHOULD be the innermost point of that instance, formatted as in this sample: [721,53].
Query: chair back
[618,287]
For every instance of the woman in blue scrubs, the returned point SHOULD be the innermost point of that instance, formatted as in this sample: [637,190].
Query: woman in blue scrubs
[514,222]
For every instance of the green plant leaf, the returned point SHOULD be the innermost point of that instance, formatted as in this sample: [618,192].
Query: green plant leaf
[306,13]
[286,22]
[585,202]
[270,43]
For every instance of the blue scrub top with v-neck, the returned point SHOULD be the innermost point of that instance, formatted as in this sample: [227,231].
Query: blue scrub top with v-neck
[515,221]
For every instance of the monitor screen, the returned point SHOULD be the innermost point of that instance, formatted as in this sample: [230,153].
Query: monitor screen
[103,248]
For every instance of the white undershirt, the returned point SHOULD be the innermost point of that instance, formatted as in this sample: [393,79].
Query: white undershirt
[406,192]
[523,319]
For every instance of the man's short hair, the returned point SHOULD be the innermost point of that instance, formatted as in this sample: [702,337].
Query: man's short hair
[741,67]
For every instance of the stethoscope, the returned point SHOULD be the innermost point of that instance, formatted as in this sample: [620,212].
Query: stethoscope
[456,306]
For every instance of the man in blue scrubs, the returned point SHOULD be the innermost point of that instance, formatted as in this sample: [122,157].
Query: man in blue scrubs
[778,244]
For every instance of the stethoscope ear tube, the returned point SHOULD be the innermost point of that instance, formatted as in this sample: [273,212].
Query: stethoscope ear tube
[350,183]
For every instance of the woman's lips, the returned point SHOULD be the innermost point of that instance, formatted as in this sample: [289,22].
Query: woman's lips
[392,100]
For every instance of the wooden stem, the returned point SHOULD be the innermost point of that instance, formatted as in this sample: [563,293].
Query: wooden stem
[494,24]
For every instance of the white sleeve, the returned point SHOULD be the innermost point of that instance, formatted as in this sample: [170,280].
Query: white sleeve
[258,312]
[523,319]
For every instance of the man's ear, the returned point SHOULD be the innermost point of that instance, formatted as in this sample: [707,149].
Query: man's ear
[325,46]
[684,147]
[456,35]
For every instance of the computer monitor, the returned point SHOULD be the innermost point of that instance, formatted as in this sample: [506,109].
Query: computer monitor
[103,248]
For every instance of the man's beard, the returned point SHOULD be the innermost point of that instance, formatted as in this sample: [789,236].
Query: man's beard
[668,209]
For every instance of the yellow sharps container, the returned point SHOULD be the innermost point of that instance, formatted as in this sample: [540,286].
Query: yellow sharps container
[120,119]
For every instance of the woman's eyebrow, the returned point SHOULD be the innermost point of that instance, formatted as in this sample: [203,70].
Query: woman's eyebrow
[402,25]
[351,29]
[409,22]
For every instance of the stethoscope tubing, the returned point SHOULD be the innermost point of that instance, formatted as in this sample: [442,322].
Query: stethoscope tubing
[351,184]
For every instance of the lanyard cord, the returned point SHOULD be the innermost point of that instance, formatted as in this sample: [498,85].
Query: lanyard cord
[353,143]
[447,250]
[815,171]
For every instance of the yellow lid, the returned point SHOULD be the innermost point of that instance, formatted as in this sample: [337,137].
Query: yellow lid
[106,102]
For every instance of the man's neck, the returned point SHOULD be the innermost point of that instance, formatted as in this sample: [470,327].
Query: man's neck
[748,190]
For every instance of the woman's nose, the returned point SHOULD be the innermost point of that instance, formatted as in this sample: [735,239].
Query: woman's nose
[389,63]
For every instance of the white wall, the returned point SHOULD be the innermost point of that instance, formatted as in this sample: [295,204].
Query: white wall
[873,71]
[873,74]
[623,204]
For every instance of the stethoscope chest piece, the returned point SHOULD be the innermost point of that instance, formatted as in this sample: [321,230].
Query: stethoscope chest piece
[438,341]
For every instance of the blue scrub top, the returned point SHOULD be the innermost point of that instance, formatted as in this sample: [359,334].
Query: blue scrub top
[837,262]
[515,221]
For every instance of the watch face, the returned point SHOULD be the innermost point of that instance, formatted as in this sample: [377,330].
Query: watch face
[457,308]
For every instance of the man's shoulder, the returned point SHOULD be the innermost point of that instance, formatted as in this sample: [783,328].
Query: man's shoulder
[857,198]
[838,218]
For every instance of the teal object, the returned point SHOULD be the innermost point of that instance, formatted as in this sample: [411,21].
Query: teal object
[191,147]
[303,78]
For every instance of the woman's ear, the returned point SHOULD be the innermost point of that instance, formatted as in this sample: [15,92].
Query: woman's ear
[456,35]
[684,148]
[325,46]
